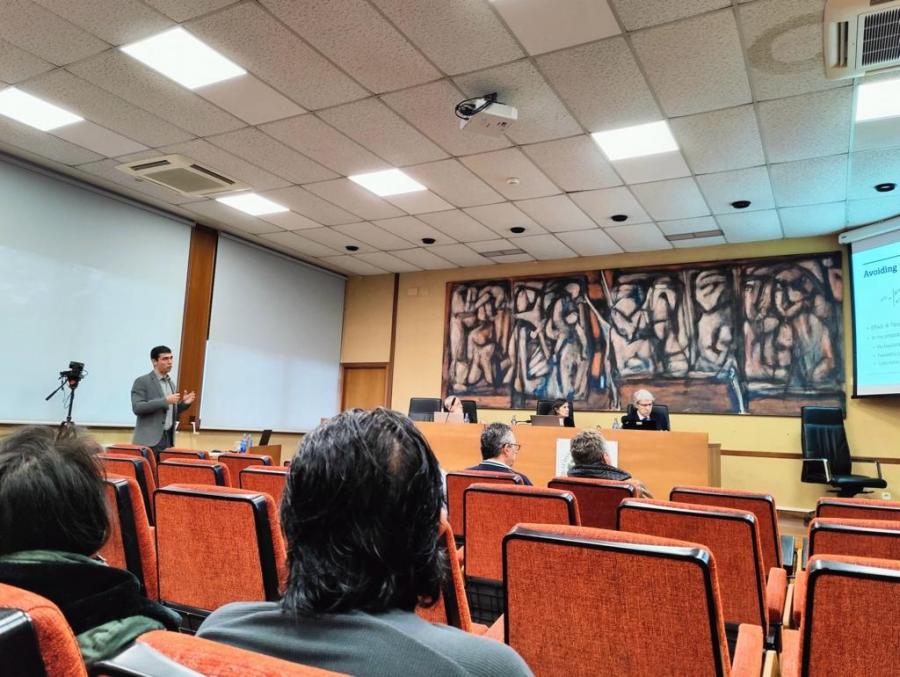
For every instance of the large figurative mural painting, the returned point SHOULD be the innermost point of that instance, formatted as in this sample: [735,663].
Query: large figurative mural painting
[760,336]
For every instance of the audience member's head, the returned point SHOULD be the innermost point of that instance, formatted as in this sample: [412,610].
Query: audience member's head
[361,514]
[499,443]
[560,408]
[453,404]
[51,493]
[589,447]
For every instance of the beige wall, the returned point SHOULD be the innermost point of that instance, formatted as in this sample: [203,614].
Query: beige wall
[873,426]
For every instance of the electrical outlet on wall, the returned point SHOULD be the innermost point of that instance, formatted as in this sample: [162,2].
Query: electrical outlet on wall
[886,496]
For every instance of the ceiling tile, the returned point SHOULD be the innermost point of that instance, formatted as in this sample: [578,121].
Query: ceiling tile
[545,27]
[353,265]
[17,64]
[675,199]
[226,163]
[251,37]
[545,247]
[593,242]
[695,65]
[617,95]
[98,105]
[224,214]
[752,184]
[324,144]
[865,211]
[44,34]
[454,182]
[337,240]
[699,242]
[41,143]
[812,220]
[182,10]
[118,73]
[388,262]
[573,164]
[719,140]
[354,198]
[811,125]
[557,213]
[457,36]
[290,220]
[869,168]
[424,259]
[883,133]
[751,226]
[636,14]
[541,115]
[117,23]
[652,167]
[419,202]
[784,47]
[375,126]
[513,258]
[698,224]
[98,139]
[492,245]
[106,169]
[639,237]
[460,254]
[250,99]
[501,217]
[303,245]
[311,206]
[412,230]
[274,156]
[458,225]
[600,205]
[373,235]
[430,108]
[358,39]
[497,167]
[809,182]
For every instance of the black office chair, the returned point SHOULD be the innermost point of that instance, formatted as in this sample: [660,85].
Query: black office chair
[423,408]
[470,410]
[659,409]
[826,454]
[545,408]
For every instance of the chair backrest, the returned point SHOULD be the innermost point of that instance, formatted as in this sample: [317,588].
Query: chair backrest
[422,408]
[838,634]
[458,481]
[597,499]
[35,638]
[659,410]
[237,462]
[491,510]
[175,453]
[136,450]
[452,607]
[193,471]
[217,545]
[731,535]
[855,538]
[470,409]
[578,598]
[545,408]
[822,436]
[269,479]
[858,508]
[761,505]
[130,544]
[137,468]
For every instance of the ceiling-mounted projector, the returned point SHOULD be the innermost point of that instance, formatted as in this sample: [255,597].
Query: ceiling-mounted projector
[485,115]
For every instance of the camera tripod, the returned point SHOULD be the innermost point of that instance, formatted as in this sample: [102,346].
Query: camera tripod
[66,428]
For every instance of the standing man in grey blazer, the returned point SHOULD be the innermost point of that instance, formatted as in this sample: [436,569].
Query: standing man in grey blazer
[156,402]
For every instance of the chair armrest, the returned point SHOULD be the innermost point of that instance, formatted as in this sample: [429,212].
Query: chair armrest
[788,607]
[804,552]
[748,652]
[140,660]
[788,554]
[770,665]
[497,630]
[461,556]
[824,462]
[479,629]
[790,653]
[799,601]
[776,594]
[871,460]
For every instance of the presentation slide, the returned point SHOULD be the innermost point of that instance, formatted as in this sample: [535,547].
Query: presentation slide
[876,310]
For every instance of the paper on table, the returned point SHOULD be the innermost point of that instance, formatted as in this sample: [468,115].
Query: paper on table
[564,454]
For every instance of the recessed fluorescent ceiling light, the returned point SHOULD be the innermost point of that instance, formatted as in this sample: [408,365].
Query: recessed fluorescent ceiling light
[636,141]
[251,203]
[16,104]
[388,182]
[180,56]
[876,100]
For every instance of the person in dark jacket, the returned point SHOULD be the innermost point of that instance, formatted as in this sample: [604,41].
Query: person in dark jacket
[590,458]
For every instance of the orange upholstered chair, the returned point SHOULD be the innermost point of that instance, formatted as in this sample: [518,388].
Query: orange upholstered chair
[130,544]
[750,592]
[269,479]
[193,471]
[237,462]
[858,508]
[457,483]
[839,634]
[777,550]
[597,499]
[217,545]
[35,638]
[176,453]
[135,450]
[583,602]
[138,469]
[162,653]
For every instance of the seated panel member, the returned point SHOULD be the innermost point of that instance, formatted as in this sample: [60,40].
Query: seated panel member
[499,450]
[563,409]
[643,411]
[361,514]
[590,458]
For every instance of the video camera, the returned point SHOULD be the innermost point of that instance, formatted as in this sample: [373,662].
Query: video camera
[73,374]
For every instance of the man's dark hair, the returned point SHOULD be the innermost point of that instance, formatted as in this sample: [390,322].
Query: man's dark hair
[156,351]
[493,437]
[51,493]
[361,514]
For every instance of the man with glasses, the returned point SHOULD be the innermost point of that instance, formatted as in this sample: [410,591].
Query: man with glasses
[643,416]
[499,450]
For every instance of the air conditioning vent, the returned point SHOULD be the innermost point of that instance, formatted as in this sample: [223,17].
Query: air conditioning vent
[182,175]
[861,36]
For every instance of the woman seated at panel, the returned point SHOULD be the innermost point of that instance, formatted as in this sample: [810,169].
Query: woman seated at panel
[590,458]
[563,409]
[53,519]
